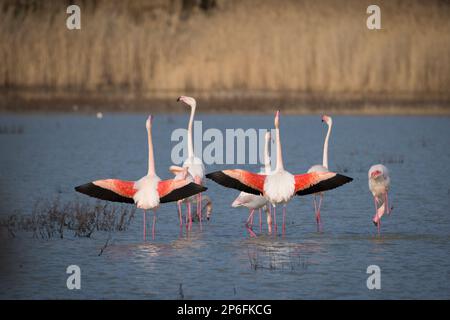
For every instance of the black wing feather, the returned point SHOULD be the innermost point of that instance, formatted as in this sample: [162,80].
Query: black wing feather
[184,192]
[95,191]
[337,181]
[226,181]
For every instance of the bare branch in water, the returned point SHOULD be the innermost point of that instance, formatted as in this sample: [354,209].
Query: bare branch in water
[50,219]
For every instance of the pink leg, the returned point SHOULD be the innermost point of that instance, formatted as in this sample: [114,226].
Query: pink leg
[200,206]
[249,220]
[145,231]
[283,228]
[154,224]
[319,223]
[275,218]
[269,219]
[260,220]
[379,226]
[388,209]
[180,213]
[376,218]
[189,214]
[250,217]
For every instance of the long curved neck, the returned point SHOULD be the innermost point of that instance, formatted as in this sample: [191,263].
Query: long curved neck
[266,156]
[190,142]
[151,159]
[325,147]
[279,153]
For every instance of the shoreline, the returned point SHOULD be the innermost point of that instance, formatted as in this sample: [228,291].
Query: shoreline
[235,103]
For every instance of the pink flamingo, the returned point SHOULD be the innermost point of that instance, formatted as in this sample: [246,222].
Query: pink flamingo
[254,202]
[194,164]
[379,184]
[322,168]
[280,186]
[148,192]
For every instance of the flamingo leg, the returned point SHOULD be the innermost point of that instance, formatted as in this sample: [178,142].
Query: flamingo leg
[379,226]
[275,218]
[269,219]
[284,219]
[189,214]
[180,213]
[386,200]
[154,224]
[250,220]
[260,220]
[200,206]
[376,218]
[145,231]
[315,209]
[250,217]
[319,223]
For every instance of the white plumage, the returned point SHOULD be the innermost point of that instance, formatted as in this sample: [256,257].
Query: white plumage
[279,187]
[147,196]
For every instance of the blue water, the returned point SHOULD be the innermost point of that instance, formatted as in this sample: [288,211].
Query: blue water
[57,152]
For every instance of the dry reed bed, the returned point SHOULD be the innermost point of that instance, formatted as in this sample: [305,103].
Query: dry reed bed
[155,48]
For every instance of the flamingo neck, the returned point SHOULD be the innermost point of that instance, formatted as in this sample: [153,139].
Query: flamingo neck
[151,159]
[267,157]
[190,142]
[280,166]
[325,147]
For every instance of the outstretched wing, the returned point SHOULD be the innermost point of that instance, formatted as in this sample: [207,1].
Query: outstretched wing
[240,180]
[309,183]
[109,189]
[174,190]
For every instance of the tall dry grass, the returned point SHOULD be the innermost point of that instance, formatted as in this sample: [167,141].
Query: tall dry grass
[153,48]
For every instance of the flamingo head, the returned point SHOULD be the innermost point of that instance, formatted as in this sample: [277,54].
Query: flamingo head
[148,123]
[327,119]
[188,100]
[375,174]
[277,119]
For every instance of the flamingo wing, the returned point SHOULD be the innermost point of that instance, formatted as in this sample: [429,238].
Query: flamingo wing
[174,190]
[109,189]
[240,180]
[309,183]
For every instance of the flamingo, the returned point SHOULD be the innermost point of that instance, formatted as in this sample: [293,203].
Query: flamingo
[280,186]
[322,168]
[252,201]
[148,192]
[379,184]
[194,164]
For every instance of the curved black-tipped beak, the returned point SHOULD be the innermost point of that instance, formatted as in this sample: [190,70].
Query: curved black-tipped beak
[178,99]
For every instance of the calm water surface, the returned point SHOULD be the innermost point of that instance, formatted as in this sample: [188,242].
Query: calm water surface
[57,152]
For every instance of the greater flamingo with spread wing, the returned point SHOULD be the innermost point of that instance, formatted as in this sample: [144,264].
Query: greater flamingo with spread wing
[148,192]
